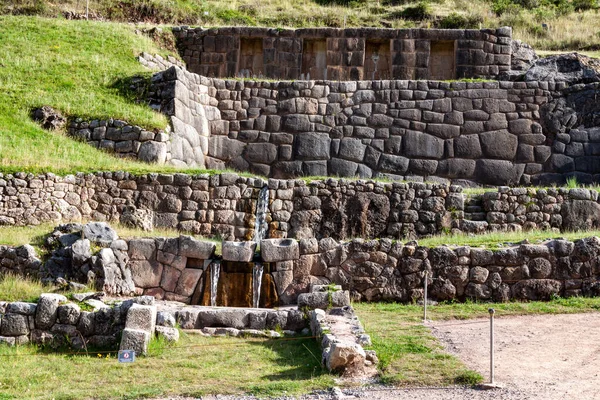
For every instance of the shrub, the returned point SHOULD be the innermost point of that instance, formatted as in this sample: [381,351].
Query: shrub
[418,12]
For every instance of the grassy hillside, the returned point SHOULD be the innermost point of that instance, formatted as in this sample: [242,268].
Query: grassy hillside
[74,66]
[545,24]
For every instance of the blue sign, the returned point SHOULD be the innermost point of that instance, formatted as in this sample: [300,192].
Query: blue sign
[126,356]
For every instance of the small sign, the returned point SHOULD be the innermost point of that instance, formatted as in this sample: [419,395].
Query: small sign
[126,356]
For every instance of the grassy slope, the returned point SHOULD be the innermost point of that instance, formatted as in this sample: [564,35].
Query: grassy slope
[72,66]
[567,31]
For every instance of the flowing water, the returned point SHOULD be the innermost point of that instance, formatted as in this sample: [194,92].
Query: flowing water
[215,270]
[261,228]
[257,273]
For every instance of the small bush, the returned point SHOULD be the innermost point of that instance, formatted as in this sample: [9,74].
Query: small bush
[458,21]
[418,12]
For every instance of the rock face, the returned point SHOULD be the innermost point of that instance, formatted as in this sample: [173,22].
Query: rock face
[523,56]
[49,118]
[572,68]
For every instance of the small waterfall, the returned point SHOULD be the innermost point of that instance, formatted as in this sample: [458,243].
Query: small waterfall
[257,273]
[261,228]
[215,270]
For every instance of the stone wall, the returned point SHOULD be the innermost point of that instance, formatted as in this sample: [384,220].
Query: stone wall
[470,133]
[224,205]
[54,321]
[21,260]
[345,54]
[123,139]
[376,270]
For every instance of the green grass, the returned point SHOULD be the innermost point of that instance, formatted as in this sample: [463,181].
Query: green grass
[410,355]
[495,240]
[76,67]
[571,25]
[16,288]
[195,366]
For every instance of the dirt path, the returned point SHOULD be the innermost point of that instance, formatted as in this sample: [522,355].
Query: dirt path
[542,356]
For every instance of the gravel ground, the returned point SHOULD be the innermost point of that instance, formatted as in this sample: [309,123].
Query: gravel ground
[548,357]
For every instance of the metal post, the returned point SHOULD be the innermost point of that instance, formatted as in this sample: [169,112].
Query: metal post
[491,311]
[425,298]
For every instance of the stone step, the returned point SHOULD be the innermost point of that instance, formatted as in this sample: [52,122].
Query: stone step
[476,216]
[473,209]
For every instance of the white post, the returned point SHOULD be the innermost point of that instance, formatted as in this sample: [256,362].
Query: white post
[425,298]
[491,311]
[87,9]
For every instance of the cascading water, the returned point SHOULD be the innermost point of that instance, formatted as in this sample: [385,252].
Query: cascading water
[257,273]
[215,270]
[261,228]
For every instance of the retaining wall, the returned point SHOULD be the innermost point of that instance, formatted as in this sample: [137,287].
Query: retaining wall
[225,205]
[498,133]
[379,270]
[343,54]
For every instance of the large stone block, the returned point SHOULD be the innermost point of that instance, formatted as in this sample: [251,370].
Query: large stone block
[47,310]
[422,145]
[99,232]
[344,355]
[136,340]
[324,300]
[274,250]
[146,274]
[141,317]
[153,152]
[499,144]
[312,146]
[238,251]
[14,325]
[194,248]
[498,172]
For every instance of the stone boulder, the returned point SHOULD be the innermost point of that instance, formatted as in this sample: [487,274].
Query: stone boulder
[323,300]
[47,310]
[49,118]
[99,232]
[238,251]
[523,56]
[344,356]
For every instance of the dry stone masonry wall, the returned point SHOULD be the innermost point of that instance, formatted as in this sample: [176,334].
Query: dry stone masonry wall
[346,54]
[497,133]
[225,204]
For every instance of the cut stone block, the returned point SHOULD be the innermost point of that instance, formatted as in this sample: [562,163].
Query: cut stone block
[136,340]
[239,251]
[274,250]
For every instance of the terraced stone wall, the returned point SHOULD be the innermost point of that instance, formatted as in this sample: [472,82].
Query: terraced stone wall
[376,270]
[346,54]
[224,205]
[469,133]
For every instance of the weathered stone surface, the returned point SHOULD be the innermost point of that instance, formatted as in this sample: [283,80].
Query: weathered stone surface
[168,333]
[140,317]
[47,310]
[324,300]
[344,356]
[136,340]
[238,251]
[99,232]
[274,250]
[193,248]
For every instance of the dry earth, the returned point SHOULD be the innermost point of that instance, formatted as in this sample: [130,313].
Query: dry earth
[546,357]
